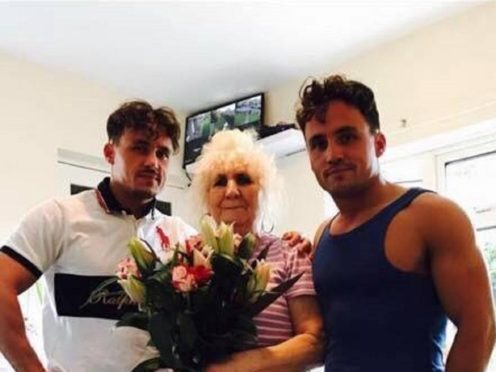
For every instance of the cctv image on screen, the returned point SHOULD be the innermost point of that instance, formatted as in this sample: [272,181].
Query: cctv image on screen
[198,126]
[206,124]
[248,112]
[222,118]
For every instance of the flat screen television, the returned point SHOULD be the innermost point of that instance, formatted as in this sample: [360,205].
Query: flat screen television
[244,113]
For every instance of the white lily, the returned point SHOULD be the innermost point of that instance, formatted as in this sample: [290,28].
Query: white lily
[226,239]
[134,288]
[206,250]
[141,254]
[262,271]
[208,229]
[200,260]
[259,280]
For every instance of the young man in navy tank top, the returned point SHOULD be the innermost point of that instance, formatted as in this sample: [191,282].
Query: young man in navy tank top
[394,263]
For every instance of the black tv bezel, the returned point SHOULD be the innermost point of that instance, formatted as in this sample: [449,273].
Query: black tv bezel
[213,108]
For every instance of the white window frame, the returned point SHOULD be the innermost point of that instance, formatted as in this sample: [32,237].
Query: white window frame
[459,152]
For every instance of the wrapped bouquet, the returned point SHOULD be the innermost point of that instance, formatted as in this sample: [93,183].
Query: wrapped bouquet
[198,299]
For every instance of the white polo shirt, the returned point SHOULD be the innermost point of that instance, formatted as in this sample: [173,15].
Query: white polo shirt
[77,243]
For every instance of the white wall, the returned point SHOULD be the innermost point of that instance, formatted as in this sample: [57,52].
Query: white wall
[43,110]
[440,78]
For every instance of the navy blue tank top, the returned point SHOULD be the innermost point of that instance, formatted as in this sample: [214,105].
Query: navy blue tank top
[377,318]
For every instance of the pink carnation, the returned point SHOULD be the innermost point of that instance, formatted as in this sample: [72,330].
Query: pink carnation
[182,280]
[127,267]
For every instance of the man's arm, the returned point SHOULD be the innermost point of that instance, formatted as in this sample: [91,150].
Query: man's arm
[302,351]
[296,240]
[462,283]
[14,345]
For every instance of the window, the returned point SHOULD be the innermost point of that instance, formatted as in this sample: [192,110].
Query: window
[471,182]
[407,172]
[469,177]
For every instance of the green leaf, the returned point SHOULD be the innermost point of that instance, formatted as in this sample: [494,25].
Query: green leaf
[261,256]
[245,323]
[160,297]
[245,249]
[226,239]
[136,320]
[143,255]
[269,297]
[187,330]
[162,276]
[148,365]
[152,251]
[241,340]
[161,329]
[199,299]
[224,266]
[208,228]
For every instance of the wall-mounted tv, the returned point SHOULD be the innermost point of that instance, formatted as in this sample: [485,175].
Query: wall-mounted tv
[244,113]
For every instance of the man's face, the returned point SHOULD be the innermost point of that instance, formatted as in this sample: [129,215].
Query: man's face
[139,162]
[343,152]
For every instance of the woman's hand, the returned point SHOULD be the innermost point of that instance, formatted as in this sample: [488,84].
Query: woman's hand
[298,353]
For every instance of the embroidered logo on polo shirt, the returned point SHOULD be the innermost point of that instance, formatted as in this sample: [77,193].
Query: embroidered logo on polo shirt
[74,297]
[164,239]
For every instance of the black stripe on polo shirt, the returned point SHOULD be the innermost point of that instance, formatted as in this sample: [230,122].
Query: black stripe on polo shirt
[22,260]
[113,204]
[74,296]
[108,197]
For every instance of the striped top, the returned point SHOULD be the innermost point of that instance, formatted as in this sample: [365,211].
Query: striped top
[274,323]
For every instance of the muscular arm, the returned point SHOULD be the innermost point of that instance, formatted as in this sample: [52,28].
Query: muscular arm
[301,351]
[15,279]
[463,285]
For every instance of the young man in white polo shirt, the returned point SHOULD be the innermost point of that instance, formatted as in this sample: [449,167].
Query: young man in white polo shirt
[77,242]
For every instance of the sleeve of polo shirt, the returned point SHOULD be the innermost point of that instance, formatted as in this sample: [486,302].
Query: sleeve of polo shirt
[37,242]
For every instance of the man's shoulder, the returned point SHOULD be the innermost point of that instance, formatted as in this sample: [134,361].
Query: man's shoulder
[83,196]
[431,203]
[437,216]
[55,205]
[82,200]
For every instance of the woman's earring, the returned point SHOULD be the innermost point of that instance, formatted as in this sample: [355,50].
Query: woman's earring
[265,227]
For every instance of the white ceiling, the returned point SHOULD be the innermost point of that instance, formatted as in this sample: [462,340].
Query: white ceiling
[191,55]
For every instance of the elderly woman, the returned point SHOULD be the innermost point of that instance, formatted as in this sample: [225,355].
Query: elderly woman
[236,181]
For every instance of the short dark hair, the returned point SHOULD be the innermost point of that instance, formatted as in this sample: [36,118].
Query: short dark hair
[316,96]
[141,116]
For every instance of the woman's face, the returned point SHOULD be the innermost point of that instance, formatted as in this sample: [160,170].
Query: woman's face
[233,198]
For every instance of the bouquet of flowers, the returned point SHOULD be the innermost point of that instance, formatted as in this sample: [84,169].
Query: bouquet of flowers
[198,299]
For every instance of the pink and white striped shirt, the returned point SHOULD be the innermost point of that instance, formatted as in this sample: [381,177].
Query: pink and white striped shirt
[274,323]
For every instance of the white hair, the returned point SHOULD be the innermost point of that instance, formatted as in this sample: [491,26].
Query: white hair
[230,149]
